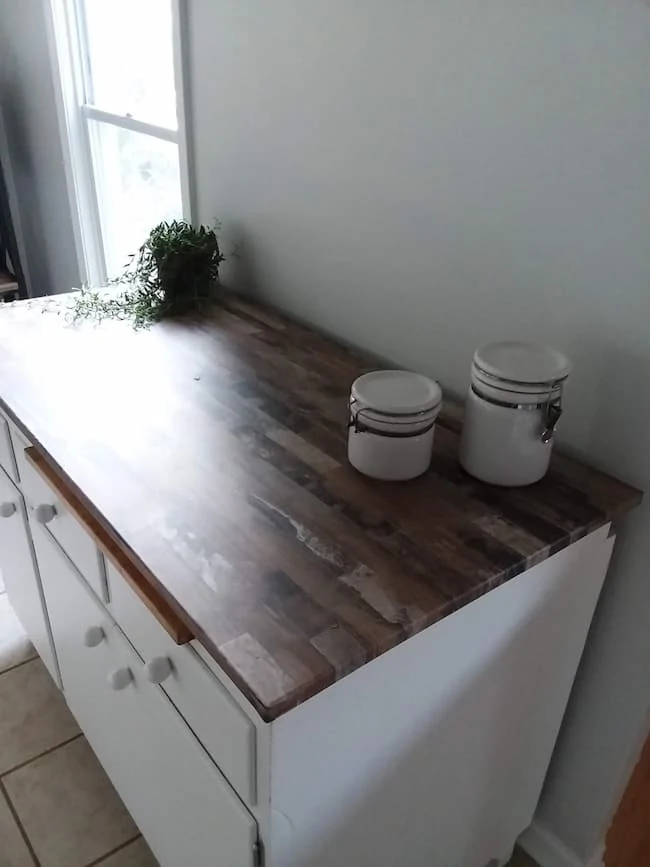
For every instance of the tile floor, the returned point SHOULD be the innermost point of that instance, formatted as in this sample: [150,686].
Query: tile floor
[57,806]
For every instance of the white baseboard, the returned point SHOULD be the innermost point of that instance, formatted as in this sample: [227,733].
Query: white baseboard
[549,851]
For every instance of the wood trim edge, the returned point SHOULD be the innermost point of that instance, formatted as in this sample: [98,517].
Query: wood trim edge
[176,628]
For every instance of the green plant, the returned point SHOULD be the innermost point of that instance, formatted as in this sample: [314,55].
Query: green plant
[174,271]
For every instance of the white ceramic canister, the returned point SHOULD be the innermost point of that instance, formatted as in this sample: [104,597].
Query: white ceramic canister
[392,419]
[513,406]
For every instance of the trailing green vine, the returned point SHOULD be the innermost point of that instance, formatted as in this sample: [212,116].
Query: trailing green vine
[173,272]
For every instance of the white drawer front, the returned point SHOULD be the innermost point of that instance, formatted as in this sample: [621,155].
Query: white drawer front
[19,443]
[45,505]
[7,460]
[183,806]
[20,574]
[219,723]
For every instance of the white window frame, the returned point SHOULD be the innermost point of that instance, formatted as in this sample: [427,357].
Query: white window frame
[74,111]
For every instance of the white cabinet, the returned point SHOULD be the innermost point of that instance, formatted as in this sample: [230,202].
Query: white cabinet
[434,753]
[182,804]
[20,572]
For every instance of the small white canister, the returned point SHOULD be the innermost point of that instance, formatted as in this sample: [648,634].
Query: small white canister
[392,419]
[513,406]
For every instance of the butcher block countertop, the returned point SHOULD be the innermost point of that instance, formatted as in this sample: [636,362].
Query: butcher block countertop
[212,450]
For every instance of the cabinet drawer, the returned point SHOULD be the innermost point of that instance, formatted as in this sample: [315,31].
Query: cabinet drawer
[184,807]
[20,573]
[47,508]
[7,459]
[19,443]
[222,727]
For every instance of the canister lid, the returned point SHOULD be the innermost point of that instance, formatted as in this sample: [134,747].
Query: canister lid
[397,392]
[529,363]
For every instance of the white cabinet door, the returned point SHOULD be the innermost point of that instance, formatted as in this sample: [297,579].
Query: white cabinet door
[218,722]
[20,572]
[185,809]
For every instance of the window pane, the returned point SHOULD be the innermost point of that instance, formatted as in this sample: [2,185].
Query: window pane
[130,58]
[138,185]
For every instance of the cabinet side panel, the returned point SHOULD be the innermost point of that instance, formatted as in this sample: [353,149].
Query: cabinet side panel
[436,752]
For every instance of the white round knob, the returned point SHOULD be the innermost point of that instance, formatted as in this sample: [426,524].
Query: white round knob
[44,513]
[158,669]
[120,679]
[93,636]
[7,510]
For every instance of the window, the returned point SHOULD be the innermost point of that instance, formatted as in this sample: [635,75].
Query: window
[118,62]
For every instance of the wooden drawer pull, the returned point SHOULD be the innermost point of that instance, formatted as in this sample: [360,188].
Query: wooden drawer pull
[133,573]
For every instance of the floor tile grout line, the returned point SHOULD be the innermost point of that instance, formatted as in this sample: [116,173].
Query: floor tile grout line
[99,861]
[46,752]
[19,664]
[19,824]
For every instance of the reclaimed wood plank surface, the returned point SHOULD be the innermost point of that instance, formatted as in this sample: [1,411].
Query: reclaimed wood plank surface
[212,452]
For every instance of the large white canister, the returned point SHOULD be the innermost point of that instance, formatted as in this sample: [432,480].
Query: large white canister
[512,409]
[392,419]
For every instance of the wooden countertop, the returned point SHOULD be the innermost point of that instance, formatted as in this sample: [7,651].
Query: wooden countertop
[213,451]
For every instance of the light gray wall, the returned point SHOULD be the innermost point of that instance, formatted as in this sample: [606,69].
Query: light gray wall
[424,176]
[35,154]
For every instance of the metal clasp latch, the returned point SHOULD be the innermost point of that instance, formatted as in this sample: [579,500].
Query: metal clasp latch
[353,417]
[552,413]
